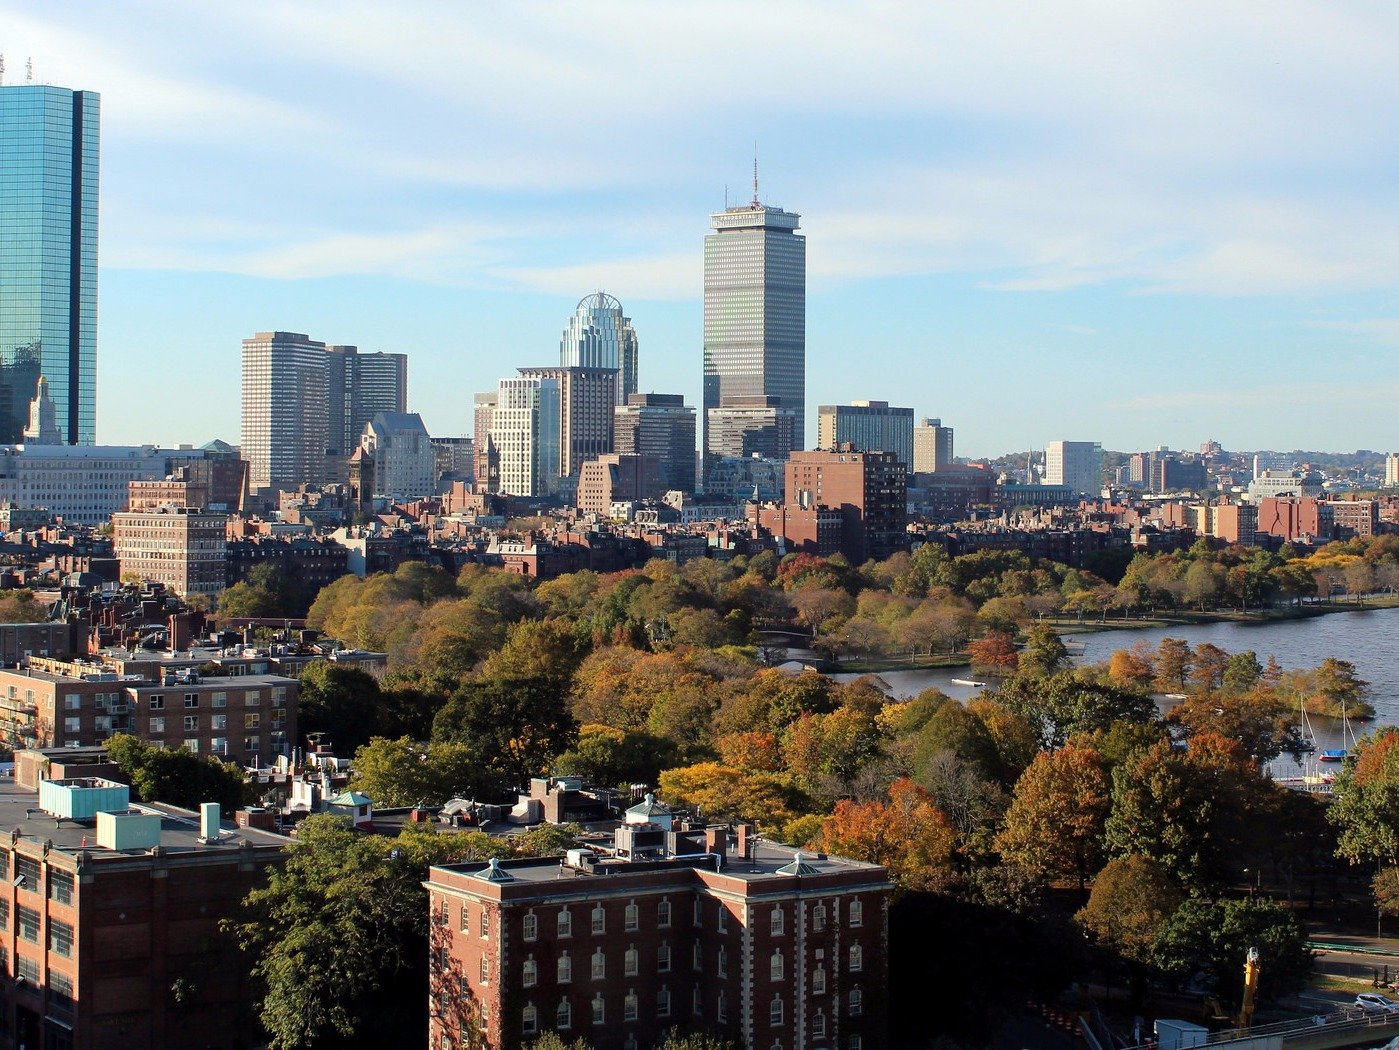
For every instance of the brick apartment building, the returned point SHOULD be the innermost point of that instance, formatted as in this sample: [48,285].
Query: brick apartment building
[870,489]
[670,927]
[112,910]
[47,702]
[616,478]
[181,547]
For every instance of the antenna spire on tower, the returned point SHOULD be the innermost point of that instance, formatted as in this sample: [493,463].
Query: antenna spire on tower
[29,71]
[2,69]
[755,173]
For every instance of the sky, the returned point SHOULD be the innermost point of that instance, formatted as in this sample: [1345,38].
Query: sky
[1141,224]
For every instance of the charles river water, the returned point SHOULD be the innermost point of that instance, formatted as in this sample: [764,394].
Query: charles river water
[1368,638]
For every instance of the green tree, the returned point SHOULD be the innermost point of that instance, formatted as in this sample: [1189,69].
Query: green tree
[1243,672]
[515,727]
[243,599]
[1366,802]
[1054,826]
[404,773]
[1070,702]
[1215,936]
[343,702]
[1044,653]
[613,757]
[176,776]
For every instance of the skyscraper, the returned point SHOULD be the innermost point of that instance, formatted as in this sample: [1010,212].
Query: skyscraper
[600,336]
[48,256]
[871,426]
[358,387]
[587,400]
[1077,464]
[525,431]
[932,447]
[284,409]
[755,310]
[659,425]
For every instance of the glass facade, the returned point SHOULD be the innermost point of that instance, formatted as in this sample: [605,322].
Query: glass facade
[599,335]
[755,311]
[48,257]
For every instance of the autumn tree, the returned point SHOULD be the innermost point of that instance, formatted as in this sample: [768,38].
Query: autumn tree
[722,792]
[1260,720]
[516,728]
[994,651]
[1044,652]
[1131,900]
[1131,668]
[907,834]
[1057,813]
[1173,663]
[1207,667]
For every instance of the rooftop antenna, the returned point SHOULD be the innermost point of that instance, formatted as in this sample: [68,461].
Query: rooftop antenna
[755,173]
[29,71]
[726,185]
[2,69]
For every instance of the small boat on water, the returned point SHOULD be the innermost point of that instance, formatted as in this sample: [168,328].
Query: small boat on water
[969,682]
[1332,754]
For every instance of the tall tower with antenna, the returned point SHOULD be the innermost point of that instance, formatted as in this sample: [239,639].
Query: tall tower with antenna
[755,312]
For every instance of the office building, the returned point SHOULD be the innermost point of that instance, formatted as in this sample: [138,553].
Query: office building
[117,910]
[932,447]
[181,547]
[455,460]
[703,928]
[599,335]
[525,428]
[1077,464]
[285,409]
[357,387]
[1283,483]
[587,400]
[659,425]
[48,257]
[622,477]
[487,465]
[405,464]
[755,311]
[871,426]
[750,426]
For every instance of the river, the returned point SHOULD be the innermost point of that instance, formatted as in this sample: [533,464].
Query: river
[1368,638]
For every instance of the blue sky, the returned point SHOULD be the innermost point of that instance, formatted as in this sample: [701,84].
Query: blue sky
[1142,224]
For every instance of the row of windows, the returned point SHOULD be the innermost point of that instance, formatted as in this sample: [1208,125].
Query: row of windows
[631,966]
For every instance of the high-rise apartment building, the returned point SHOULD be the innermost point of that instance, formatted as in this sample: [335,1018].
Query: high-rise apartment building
[405,463]
[868,489]
[659,425]
[284,409]
[1391,470]
[599,335]
[525,432]
[587,399]
[871,426]
[357,387]
[932,447]
[750,426]
[755,310]
[1077,464]
[181,547]
[48,256]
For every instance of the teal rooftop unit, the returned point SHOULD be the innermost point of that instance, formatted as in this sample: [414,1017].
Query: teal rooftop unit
[82,798]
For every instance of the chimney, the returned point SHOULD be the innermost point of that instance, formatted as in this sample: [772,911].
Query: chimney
[716,840]
[179,632]
[744,847]
[209,821]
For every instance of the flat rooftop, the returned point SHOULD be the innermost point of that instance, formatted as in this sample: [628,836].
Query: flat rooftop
[179,828]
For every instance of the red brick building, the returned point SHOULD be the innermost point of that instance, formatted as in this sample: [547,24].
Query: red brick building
[688,928]
[112,914]
[870,489]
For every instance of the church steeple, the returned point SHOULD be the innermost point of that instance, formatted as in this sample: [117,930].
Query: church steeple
[43,418]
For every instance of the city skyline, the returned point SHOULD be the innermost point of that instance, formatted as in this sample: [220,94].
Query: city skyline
[1152,245]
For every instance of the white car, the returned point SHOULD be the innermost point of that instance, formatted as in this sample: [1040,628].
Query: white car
[1373,1003]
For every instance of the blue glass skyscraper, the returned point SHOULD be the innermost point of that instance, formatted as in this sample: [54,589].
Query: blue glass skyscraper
[48,257]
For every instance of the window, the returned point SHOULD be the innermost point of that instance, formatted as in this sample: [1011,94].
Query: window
[60,939]
[699,912]
[857,1002]
[27,968]
[219,721]
[157,702]
[4,914]
[192,744]
[565,923]
[485,922]
[529,1020]
[779,922]
[191,723]
[219,745]
[818,918]
[857,958]
[629,1006]
[252,720]
[632,918]
[157,725]
[663,958]
[72,702]
[531,927]
[599,965]
[818,981]
[191,699]
[599,1010]
[776,967]
[663,1002]
[696,1002]
[599,919]
[60,992]
[723,961]
[530,976]
[27,872]
[252,743]
[856,1043]
[775,1012]
[463,921]
[721,1008]
[252,698]
[565,969]
[631,962]
[447,1043]
[218,699]
[563,1016]
[663,913]
[27,923]
[857,913]
[72,725]
[818,1025]
[485,970]
[697,960]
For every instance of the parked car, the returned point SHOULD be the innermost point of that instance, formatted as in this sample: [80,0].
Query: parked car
[1373,1003]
